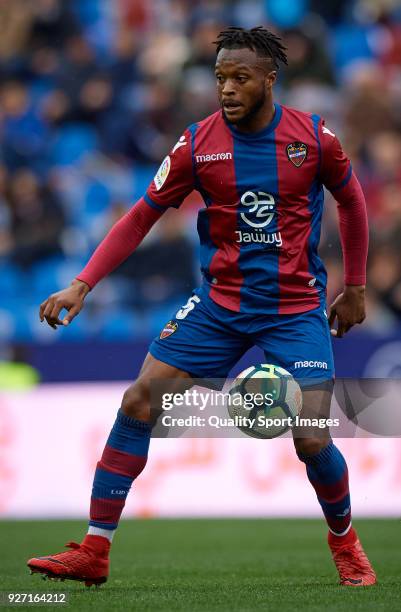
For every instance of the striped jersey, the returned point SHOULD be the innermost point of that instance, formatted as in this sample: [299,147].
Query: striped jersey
[263,192]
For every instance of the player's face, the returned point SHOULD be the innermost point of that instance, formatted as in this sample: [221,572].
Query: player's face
[244,82]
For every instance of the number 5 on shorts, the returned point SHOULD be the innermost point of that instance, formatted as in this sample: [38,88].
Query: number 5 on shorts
[190,305]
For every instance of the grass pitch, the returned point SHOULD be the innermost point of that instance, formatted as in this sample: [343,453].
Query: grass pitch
[207,565]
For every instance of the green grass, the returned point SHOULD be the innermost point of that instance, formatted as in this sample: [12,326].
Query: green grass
[210,565]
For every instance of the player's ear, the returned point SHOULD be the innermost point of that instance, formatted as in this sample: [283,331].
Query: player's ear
[271,78]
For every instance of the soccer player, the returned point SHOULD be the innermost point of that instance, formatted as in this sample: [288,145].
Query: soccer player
[260,168]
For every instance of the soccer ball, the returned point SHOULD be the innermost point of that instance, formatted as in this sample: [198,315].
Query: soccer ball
[264,400]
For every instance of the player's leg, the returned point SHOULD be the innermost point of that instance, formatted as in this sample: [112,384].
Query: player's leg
[327,472]
[123,459]
[325,465]
[307,355]
[194,344]
[125,454]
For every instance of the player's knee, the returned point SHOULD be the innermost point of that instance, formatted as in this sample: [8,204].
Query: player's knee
[135,401]
[310,446]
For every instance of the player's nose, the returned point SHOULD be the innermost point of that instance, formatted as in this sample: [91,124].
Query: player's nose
[228,88]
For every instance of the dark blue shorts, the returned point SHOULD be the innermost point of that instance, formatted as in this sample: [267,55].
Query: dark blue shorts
[206,340]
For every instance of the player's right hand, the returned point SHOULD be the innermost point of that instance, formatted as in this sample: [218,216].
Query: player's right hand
[70,299]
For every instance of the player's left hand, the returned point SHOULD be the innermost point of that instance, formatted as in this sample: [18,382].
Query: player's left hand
[348,308]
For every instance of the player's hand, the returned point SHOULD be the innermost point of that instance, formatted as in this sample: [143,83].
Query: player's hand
[348,308]
[70,299]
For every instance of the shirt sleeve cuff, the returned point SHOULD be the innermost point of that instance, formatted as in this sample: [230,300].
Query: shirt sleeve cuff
[355,280]
[81,277]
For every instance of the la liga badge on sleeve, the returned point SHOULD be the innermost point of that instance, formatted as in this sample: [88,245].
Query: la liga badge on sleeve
[162,173]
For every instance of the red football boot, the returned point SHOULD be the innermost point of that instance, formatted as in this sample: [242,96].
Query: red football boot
[353,566]
[87,562]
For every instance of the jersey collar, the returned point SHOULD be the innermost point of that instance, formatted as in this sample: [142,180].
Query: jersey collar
[256,135]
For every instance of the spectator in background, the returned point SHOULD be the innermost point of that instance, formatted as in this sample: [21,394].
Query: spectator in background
[308,60]
[333,11]
[123,64]
[135,16]
[24,132]
[370,106]
[383,182]
[52,23]
[385,273]
[197,82]
[78,65]
[152,129]
[15,23]
[37,219]
[202,53]
[95,101]
[5,216]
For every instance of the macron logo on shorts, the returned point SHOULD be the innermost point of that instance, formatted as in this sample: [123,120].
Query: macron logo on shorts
[322,365]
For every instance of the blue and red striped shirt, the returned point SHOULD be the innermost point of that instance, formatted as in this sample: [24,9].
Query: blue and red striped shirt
[263,194]
[260,228]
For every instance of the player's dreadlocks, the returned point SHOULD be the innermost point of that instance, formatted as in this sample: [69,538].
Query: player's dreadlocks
[259,39]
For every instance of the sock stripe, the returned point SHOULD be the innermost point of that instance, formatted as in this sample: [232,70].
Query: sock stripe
[100,525]
[99,492]
[138,445]
[328,464]
[333,492]
[103,533]
[337,526]
[106,479]
[124,419]
[106,510]
[343,533]
[129,435]
[338,509]
[120,462]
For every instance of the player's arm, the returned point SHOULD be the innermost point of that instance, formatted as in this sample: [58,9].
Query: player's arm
[119,243]
[337,175]
[171,184]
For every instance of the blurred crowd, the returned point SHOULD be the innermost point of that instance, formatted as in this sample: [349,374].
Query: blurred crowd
[93,93]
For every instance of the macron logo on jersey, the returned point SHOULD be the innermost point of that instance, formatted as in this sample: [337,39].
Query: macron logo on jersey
[322,365]
[213,157]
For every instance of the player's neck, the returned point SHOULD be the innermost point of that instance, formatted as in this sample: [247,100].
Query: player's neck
[259,121]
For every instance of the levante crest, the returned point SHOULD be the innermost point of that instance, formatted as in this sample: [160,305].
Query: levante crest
[297,153]
[168,329]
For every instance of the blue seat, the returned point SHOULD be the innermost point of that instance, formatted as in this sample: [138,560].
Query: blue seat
[119,324]
[67,270]
[350,43]
[7,325]
[88,11]
[12,279]
[97,198]
[72,144]
[22,315]
[286,14]
[143,176]
[45,277]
